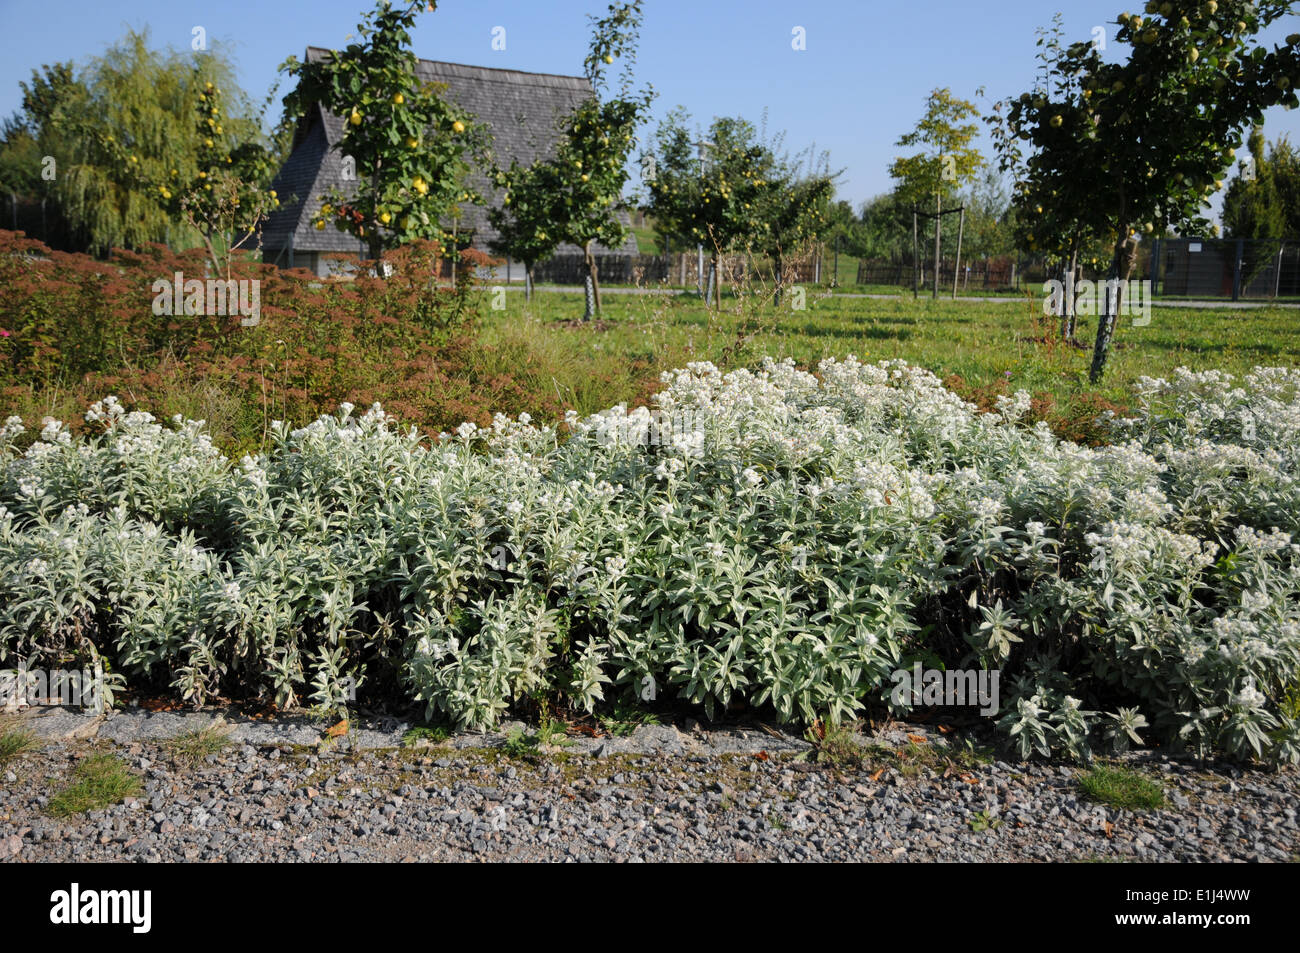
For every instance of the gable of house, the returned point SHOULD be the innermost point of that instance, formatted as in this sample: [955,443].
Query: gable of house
[521,110]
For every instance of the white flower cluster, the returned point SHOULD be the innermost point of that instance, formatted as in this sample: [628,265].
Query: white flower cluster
[774,534]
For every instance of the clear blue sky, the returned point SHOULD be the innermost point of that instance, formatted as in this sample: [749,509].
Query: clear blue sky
[860,83]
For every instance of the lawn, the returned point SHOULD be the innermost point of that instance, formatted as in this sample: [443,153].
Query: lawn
[983,348]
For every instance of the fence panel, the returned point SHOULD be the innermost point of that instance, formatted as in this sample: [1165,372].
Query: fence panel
[1226,268]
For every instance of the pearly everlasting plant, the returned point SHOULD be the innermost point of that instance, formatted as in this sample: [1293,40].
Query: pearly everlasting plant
[772,537]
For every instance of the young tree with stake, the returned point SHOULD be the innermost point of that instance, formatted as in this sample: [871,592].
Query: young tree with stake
[589,168]
[946,161]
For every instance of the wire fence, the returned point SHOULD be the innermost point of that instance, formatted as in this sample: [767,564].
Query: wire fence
[1230,268]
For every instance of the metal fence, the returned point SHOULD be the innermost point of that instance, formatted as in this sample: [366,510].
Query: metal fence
[1233,268]
[990,274]
[678,269]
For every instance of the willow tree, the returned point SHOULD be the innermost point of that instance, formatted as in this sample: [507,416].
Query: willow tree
[125,124]
[946,160]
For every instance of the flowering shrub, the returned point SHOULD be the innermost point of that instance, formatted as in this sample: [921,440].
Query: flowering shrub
[70,321]
[777,537]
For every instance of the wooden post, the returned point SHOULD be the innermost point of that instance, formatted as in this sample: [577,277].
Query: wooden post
[938,226]
[916,257]
[956,270]
[1277,273]
[455,257]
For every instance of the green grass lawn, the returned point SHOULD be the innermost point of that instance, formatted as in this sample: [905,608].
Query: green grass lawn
[986,347]
[646,240]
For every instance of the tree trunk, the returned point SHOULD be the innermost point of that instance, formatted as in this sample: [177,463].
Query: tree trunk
[375,243]
[1121,268]
[776,294]
[916,257]
[956,268]
[528,281]
[715,280]
[938,225]
[1071,279]
[593,285]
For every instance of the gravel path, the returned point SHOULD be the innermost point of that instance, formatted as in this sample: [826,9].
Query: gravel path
[660,794]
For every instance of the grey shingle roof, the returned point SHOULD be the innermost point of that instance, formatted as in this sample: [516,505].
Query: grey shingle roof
[521,110]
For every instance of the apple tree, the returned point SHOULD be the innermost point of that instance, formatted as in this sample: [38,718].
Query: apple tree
[589,168]
[792,212]
[717,199]
[411,146]
[222,194]
[1151,135]
[1052,212]
[524,218]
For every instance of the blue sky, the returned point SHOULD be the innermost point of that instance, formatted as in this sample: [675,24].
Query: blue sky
[860,83]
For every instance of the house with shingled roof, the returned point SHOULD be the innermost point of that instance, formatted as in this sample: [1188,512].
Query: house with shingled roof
[522,111]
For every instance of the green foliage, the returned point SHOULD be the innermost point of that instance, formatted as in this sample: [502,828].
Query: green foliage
[836,745]
[947,159]
[1118,147]
[121,129]
[520,744]
[625,718]
[428,734]
[411,145]
[1122,788]
[20,159]
[98,781]
[1263,202]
